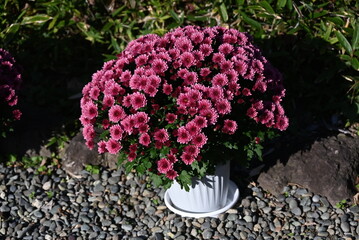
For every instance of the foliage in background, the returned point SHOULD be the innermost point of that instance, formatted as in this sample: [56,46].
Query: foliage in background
[60,43]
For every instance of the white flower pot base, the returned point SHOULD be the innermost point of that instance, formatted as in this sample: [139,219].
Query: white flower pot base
[233,195]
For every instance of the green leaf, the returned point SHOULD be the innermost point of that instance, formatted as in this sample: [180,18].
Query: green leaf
[129,166]
[115,45]
[223,12]
[344,42]
[336,20]
[281,3]
[175,16]
[251,21]
[157,180]
[267,7]
[185,179]
[355,63]
[37,19]
[355,40]
[11,31]
[240,2]
[104,134]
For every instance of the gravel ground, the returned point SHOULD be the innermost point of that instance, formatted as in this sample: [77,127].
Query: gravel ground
[111,205]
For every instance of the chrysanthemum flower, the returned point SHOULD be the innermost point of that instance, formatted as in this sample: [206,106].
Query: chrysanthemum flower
[223,106]
[138,100]
[199,140]
[145,139]
[183,135]
[171,117]
[159,66]
[229,126]
[161,135]
[187,158]
[187,59]
[171,174]
[101,146]
[220,80]
[163,165]
[116,113]
[113,146]
[116,132]
[89,110]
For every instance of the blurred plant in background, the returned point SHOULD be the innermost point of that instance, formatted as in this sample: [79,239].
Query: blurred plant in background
[10,81]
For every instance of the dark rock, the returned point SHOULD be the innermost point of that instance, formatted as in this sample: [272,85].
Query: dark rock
[329,169]
[77,155]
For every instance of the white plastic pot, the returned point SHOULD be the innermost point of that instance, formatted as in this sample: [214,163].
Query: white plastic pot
[208,196]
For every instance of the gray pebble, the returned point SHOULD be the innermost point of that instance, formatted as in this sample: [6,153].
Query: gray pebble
[315,198]
[296,211]
[207,234]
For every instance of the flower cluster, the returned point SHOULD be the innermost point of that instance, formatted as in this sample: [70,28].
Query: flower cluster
[173,92]
[10,81]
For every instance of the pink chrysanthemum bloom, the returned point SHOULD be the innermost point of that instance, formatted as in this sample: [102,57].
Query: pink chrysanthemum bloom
[230,126]
[101,146]
[140,118]
[163,165]
[204,104]
[171,117]
[183,135]
[143,128]
[108,101]
[199,140]
[116,113]
[145,139]
[210,114]
[172,158]
[89,110]
[113,146]
[206,49]
[16,114]
[88,132]
[131,156]
[223,106]
[197,37]
[200,121]
[218,58]
[282,123]
[138,100]
[187,59]
[141,60]
[161,135]
[216,92]
[220,80]
[225,48]
[94,93]
[252,112]
[246,92]
[184,44]
[226,66]
[159,66]
[167,89]
[183,100]
[205,72]
[190,78]
[192,150]
[192,128]
[171,174]
[116,132]
[126,76]
[187,158]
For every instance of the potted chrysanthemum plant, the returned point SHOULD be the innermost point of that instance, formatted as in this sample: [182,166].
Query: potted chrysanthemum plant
[181,106]
[10,81]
